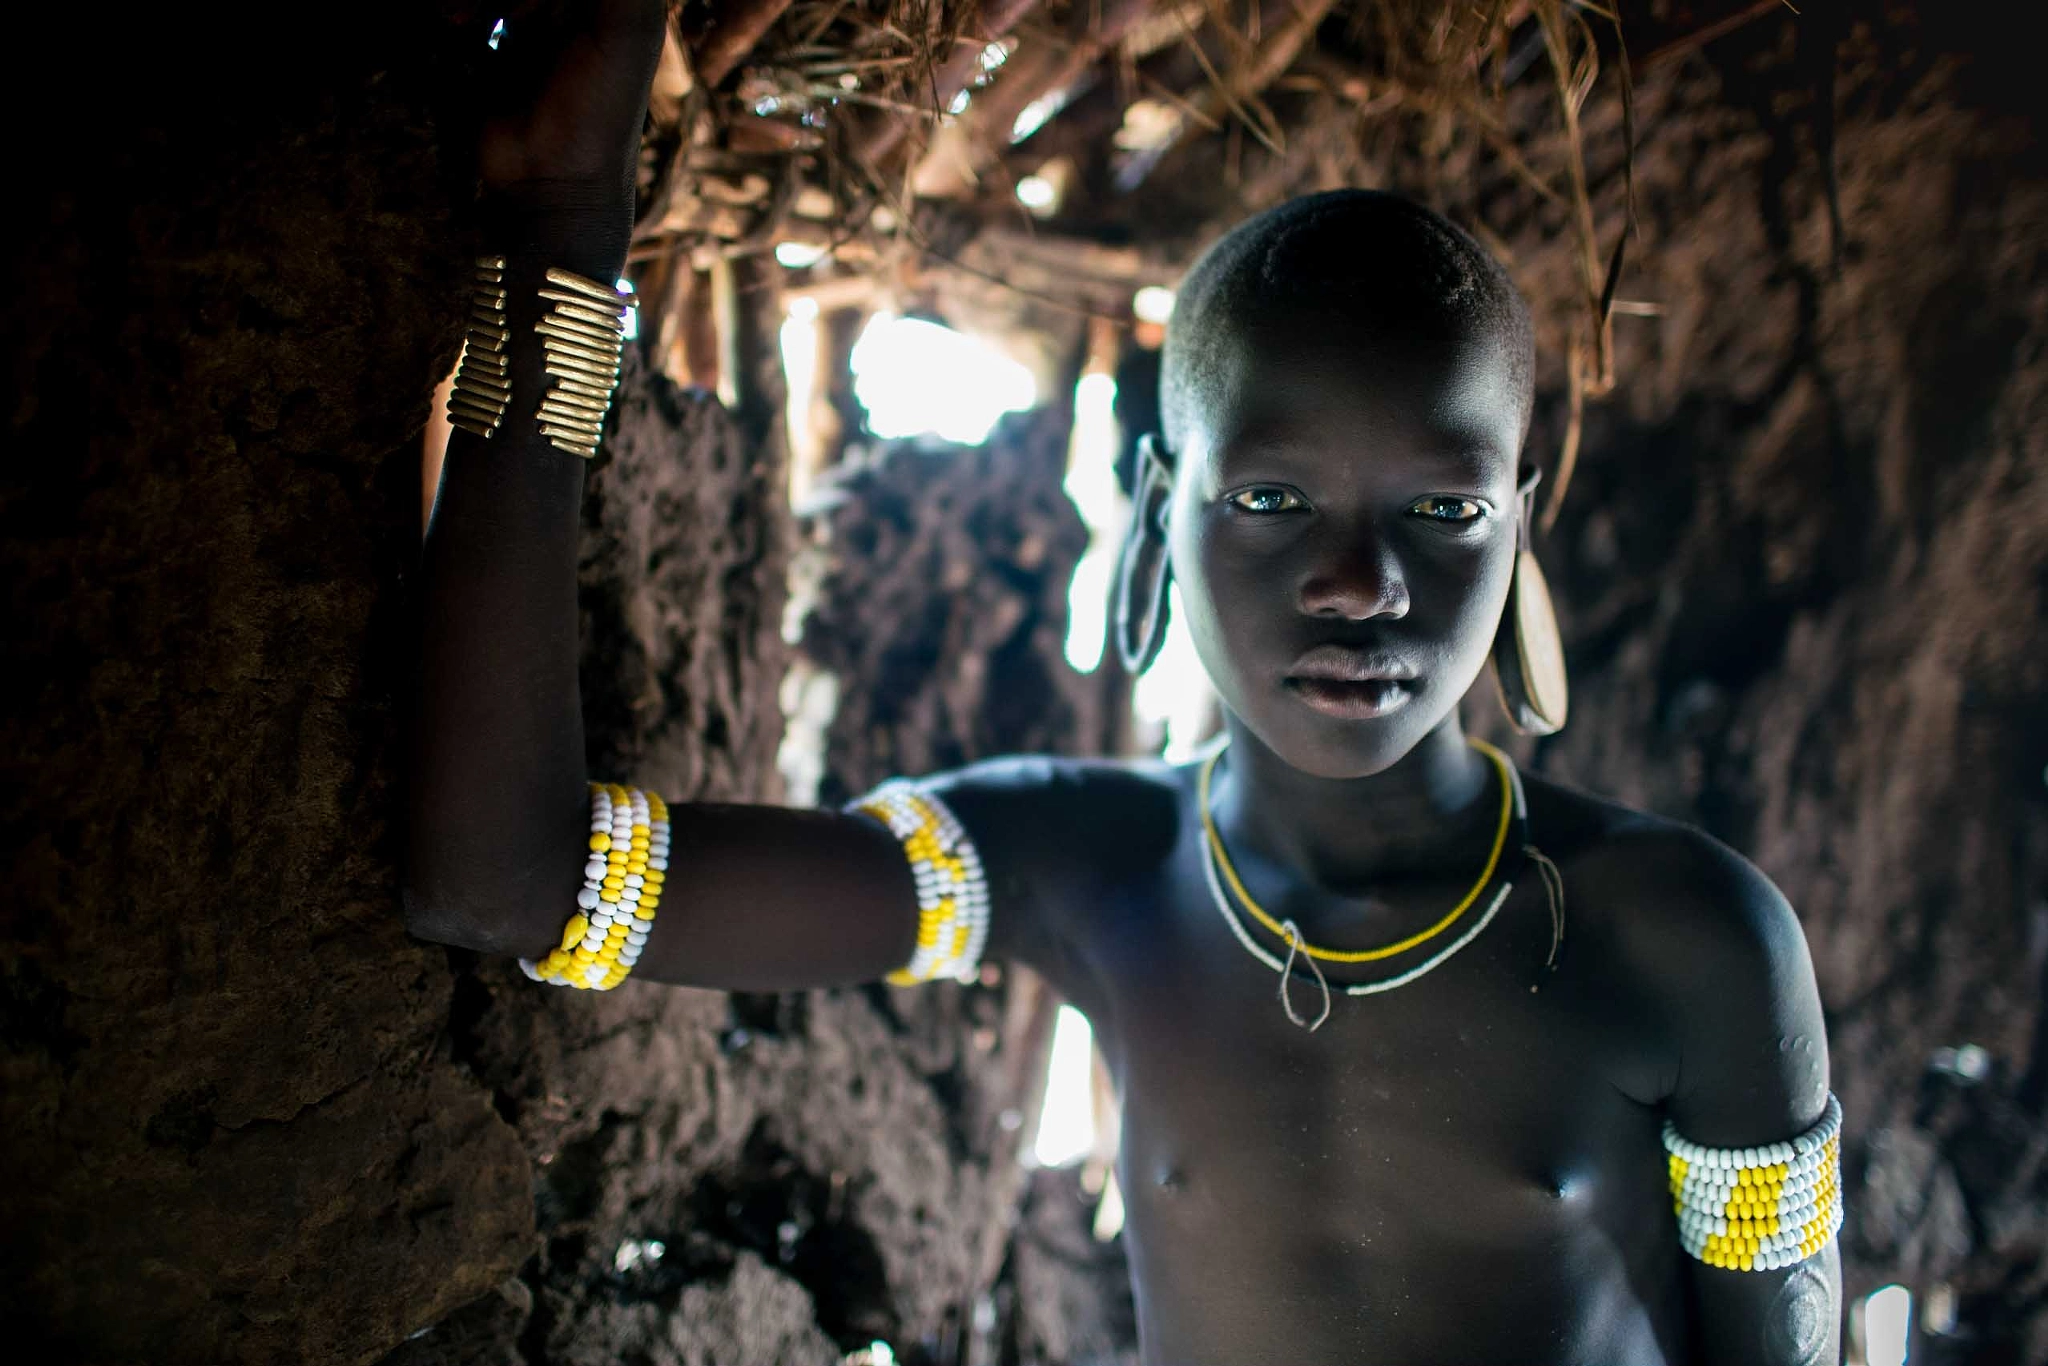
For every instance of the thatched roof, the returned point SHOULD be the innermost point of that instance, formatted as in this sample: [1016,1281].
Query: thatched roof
[1036,161]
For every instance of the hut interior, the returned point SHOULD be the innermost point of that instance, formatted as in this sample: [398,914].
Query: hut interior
[1792,326]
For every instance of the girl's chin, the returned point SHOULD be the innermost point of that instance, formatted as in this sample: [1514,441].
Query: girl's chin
[1341,748]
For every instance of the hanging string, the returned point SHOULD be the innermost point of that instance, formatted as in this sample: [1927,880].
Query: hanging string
[1286,1001]
[1553,888]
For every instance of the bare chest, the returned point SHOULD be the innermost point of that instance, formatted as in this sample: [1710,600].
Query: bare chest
[1463,1100]
[1478,1120]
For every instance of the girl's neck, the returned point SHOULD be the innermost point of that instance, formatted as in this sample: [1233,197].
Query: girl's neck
[1347,833]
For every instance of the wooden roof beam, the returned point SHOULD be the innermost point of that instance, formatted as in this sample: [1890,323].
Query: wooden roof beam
[998,17]
[735,31]
[959,156]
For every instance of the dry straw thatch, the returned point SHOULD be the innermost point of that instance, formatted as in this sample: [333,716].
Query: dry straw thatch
[888,138]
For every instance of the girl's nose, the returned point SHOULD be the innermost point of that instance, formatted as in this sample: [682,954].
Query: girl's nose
[1356,578]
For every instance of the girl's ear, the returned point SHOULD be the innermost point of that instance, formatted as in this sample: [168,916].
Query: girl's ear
[1138,608]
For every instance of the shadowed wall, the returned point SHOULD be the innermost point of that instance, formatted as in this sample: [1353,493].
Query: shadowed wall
[246,1119]
[249,1118]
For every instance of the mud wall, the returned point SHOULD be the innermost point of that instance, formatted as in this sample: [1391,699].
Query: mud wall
[1802,572]
[937,582]
[941,606]
[227,1097]
[1805,563]
[251,1120]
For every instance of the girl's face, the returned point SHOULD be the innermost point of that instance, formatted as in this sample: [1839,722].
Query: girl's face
[1343,532]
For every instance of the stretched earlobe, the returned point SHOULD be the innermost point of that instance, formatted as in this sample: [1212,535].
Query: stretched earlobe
[1528,653]
[1144,572]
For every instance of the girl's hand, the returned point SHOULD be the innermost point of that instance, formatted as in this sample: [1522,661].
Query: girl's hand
[566,96]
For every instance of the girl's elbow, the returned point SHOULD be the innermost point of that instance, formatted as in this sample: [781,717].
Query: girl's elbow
[435,920]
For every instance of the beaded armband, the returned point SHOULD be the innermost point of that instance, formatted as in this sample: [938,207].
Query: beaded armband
[621,887]
[952,890]
[1759,1209]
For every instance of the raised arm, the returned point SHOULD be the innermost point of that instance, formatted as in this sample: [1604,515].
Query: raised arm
[499,826]
[496,792]
[1752,1075]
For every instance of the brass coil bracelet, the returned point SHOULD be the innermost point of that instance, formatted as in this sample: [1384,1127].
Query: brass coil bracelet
[482,381]
[582,337]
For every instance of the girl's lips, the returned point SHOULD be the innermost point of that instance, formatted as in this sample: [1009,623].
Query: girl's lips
[1350,664]
[1353,700]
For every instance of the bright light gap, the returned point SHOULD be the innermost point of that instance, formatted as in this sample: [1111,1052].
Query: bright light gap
[1066,1124]
[919,378]
[1887,1326]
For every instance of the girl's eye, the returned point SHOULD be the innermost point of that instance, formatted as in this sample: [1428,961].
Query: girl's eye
[1266,498]
[1442,507]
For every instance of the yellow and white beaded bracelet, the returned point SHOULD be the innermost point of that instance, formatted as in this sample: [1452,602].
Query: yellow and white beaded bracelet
[952,889]
[1759,1209]
[622,882]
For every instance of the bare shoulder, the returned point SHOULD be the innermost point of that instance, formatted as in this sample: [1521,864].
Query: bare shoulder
[1044,784]
[1672,886]
[1060,824]
[1710,943]
[1053,832]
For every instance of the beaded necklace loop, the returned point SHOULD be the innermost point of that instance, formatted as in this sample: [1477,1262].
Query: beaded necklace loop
[1287,980]
[622,882]
[1214,839]
[1759,1209]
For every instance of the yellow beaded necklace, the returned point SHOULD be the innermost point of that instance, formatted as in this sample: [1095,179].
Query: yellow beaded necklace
[1282,932]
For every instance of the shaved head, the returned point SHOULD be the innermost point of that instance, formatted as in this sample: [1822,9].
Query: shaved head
[1360,260]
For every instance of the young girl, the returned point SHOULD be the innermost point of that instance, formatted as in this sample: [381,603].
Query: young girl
[1421,1060]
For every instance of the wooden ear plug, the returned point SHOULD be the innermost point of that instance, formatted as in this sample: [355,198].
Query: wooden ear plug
[1528,655]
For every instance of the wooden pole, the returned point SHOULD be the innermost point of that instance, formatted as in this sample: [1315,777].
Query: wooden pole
[738,27]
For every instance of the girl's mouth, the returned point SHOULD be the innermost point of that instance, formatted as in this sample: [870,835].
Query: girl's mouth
[1353,700]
